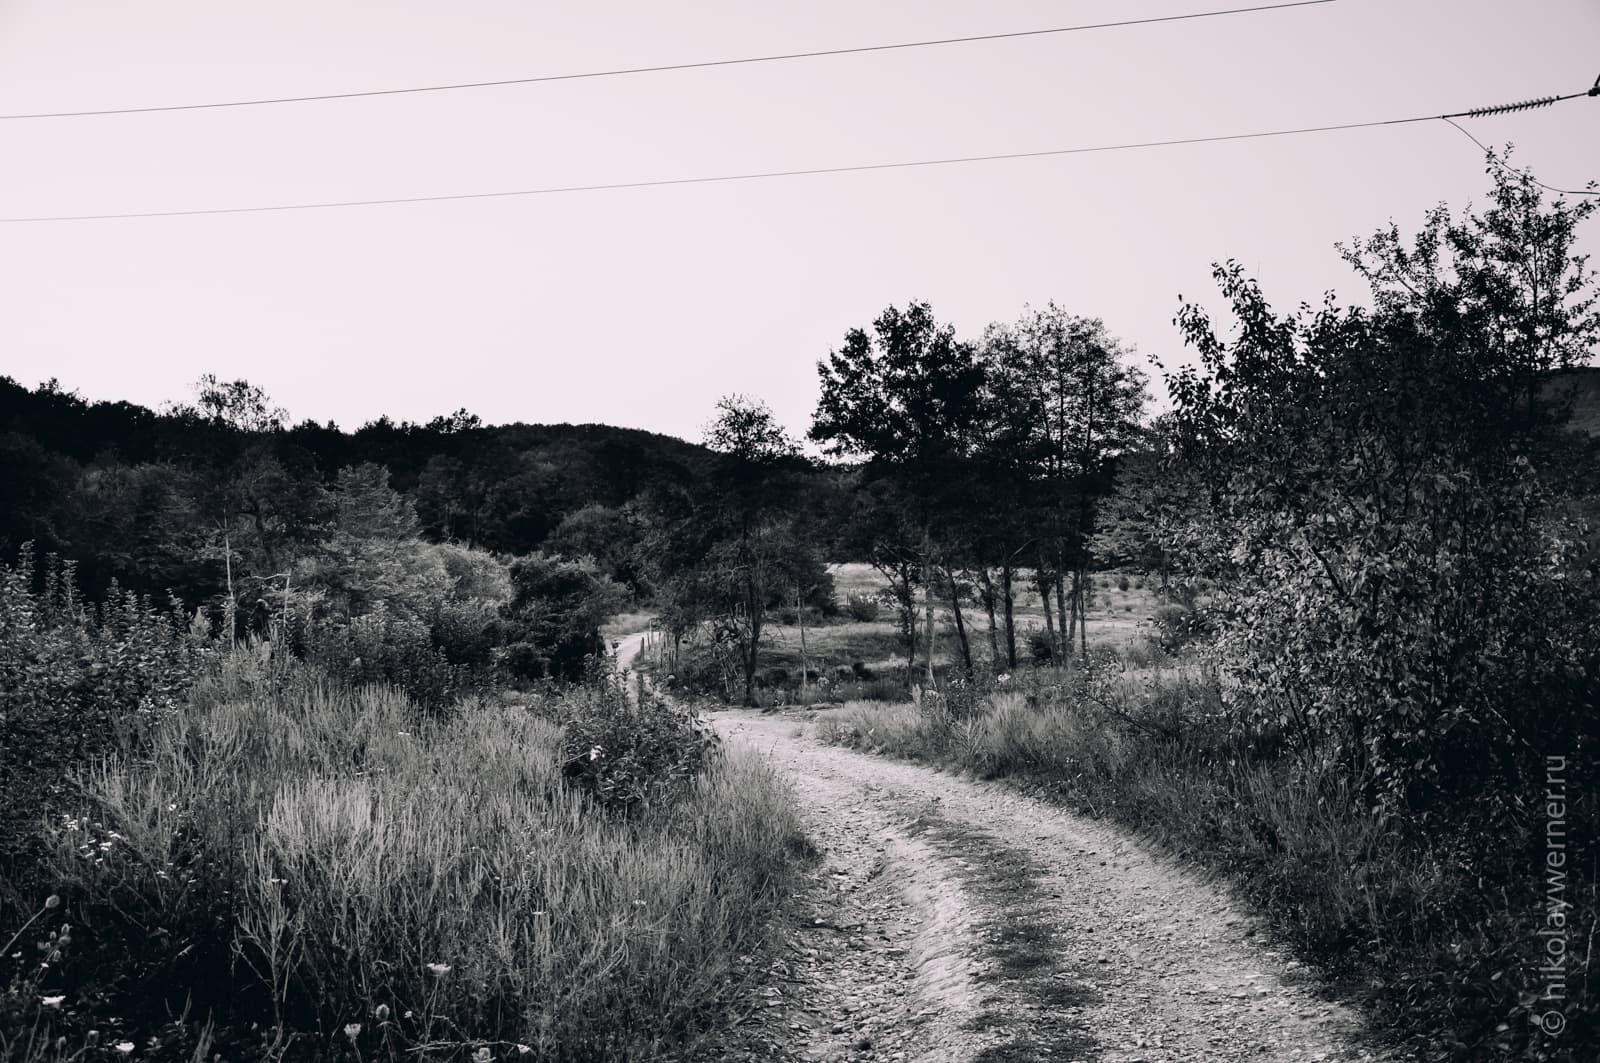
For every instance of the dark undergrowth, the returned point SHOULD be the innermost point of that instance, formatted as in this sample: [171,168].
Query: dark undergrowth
[1439,922]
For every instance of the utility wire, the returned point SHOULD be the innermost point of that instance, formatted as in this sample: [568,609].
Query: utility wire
[1495,159]
[626,71]
[815,171]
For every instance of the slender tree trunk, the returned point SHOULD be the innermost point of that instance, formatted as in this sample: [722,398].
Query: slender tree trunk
[1043,583]
[750,659]
[1083,612]
[927,601]
[1068,620]
[989,608]
[230,610]
[961,627]
[1072,607]
[805,662]
[1011,620]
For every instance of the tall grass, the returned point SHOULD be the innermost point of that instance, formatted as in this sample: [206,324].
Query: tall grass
[1432,922]
[359,878]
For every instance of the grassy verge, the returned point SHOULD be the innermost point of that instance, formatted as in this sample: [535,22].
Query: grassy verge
[292,869]
[1433,922]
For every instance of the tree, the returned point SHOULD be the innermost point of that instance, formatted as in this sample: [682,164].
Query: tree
[239,404]
[758,554]
[1402,599]
[1066,404]
[553,619]
[906,398]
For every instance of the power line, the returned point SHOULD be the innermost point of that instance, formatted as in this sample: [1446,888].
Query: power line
[1495,159]
[627,71]
[812,172]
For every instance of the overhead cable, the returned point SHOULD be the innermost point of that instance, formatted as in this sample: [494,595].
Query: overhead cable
[664,68]
[810,172]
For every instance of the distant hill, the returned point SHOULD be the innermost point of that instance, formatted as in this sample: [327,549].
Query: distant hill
[73,473]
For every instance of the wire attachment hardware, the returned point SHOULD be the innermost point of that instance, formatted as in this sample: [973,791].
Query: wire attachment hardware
[1523,105]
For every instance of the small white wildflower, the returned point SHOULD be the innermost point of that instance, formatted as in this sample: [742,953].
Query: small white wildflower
[440,969]
[53,1001]
[125,1047]
[352,1030]
[594,752]
[482,1055]
[523,1050]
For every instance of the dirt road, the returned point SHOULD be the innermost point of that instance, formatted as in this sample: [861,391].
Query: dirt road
[953,920]
[957,920]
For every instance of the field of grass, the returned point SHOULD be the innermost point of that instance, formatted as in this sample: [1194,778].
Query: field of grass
[1432,923]
[291,869]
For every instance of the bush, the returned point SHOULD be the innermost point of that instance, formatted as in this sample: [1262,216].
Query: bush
[555,614]
[862,608]
[1177,626]
[76,682]
[629,753]
[385,647]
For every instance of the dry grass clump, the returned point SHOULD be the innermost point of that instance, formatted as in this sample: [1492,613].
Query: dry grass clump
[361,879]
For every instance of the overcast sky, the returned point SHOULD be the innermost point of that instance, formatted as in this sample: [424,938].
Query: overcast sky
[640,307]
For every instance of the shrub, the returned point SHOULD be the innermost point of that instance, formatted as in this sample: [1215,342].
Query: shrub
[77,681]
[554,617]
[629,752]
[1177,626]
[399,650]
[862,608]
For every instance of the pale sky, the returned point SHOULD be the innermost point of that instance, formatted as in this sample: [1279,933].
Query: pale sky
[640,307]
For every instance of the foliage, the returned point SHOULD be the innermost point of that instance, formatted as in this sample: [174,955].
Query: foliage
[386,647]
[631,753]
[861,607]
[555,613]
[293,870]
[1401,596]
[76,682]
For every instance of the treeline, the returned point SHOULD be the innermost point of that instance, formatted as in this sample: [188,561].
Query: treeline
[420,554]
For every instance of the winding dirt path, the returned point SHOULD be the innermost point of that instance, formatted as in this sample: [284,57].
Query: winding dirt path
[952,920]
[960,920]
